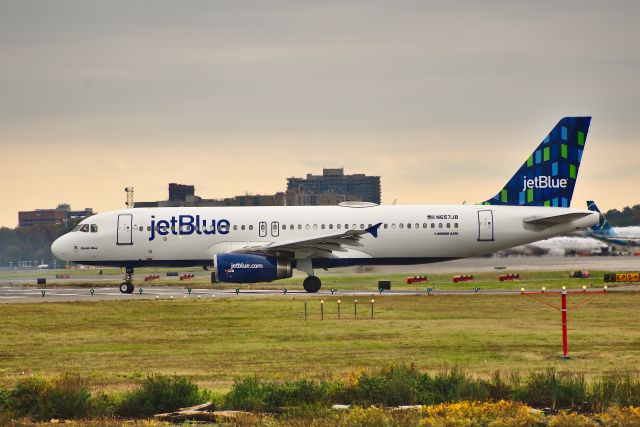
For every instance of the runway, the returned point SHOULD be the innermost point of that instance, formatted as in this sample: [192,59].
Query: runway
[21,294]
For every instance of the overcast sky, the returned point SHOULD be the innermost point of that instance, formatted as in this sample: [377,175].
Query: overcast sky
[444,100]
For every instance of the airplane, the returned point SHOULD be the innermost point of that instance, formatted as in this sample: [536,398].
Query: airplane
[560,246]
[263,244]
[624,236]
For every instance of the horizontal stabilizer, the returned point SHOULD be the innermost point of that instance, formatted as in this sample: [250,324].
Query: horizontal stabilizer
[556,219]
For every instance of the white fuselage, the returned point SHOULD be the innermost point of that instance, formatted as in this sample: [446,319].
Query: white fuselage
[408,234]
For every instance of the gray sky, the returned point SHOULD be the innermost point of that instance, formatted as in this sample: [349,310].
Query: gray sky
[444,100]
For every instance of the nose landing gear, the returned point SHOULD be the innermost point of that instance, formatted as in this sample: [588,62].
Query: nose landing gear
[126,287]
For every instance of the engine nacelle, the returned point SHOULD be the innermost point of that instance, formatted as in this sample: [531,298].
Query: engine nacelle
[250,268]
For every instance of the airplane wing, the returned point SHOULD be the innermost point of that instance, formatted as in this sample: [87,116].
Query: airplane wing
[318,246]
[555,219]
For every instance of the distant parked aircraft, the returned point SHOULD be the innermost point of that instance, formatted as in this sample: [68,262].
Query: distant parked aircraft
[624,236]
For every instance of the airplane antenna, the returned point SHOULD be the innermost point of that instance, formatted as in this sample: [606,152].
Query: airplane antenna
[394,202]
[130,202]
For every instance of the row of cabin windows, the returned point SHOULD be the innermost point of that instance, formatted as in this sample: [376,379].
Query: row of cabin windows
[393,226]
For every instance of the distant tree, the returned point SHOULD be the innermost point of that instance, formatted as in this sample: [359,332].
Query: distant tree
[29,243]
[628,216]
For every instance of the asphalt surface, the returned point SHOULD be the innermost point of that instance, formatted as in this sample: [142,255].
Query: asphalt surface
[22,294]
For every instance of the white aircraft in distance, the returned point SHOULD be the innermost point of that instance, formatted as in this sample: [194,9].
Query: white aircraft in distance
[623,236]
[560,246]
[262,244]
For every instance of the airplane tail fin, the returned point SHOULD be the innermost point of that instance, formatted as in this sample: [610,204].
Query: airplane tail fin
[603,225]
[548,176]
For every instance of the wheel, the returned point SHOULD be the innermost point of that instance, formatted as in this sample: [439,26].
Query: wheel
[130,288]
[312,284]
[124,287]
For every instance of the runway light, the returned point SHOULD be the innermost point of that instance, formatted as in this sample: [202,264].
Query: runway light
[198,296]
[544,289]
[321,302]
[605,288]
[157,297]
[171,297]
[338,301]
[373,301]
[521,290]
[584,287]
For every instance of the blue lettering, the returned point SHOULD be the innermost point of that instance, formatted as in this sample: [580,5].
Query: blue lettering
[153,228]
[163,227]
[223,226]
[186,225]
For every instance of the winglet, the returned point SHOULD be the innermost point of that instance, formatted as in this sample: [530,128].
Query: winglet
[373,230]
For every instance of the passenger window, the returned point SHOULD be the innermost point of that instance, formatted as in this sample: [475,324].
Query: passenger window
[330,226]
[299,226]
[141,229]
[251,227]
[409,225]
[284,227]
[339,226]
[439,225]
[433,225]
[386,226]
[322,226]
[361,226]
[393,225]
[315,226]
[448,225]
[235,227]
[346,226]
[306,226]
[94,228]
[424,225]
[455,225]
[417,225]
[291,227]
[401,225]
[242,227]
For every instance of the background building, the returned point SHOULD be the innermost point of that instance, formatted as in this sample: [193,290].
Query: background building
[60,215]
[330,188]
[356,187]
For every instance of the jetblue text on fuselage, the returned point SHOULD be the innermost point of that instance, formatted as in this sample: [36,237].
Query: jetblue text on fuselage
[185,225]
[544,182]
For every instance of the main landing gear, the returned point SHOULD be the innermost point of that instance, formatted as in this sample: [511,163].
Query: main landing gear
[312,284]
[126,287]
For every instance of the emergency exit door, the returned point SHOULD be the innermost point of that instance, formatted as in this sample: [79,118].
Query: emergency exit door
[262,229]
[485,226]
[275,228]
[125,229]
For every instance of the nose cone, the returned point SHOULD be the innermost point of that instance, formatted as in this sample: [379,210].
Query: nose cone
[58,248]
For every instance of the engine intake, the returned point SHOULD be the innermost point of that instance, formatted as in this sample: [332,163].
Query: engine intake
[250,268]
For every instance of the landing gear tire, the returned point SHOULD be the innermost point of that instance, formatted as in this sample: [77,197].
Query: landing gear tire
[312,284]
[126,288]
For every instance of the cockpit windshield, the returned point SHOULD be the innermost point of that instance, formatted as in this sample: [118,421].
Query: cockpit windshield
[86,228]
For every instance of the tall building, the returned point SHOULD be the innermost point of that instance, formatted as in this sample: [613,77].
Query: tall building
[356,187]
[60,215]
[180,192]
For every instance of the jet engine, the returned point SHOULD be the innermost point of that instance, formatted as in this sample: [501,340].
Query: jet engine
[250,268]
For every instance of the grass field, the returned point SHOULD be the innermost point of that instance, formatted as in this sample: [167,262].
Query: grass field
[214,341]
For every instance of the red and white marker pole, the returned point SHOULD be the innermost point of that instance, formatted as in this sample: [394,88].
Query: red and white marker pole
[565,344]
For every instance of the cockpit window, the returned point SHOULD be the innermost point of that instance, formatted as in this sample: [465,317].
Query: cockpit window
[76,228]
[84,228]
[94,228]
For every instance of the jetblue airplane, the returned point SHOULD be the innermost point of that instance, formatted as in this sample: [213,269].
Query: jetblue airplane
[624,236]
[262,244]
